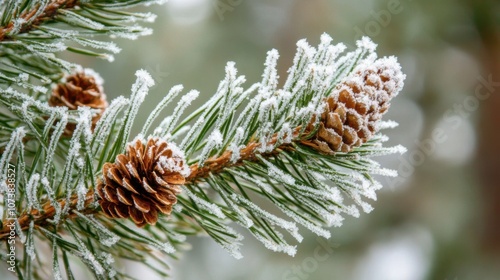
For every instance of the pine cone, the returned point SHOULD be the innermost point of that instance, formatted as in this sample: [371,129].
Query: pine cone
[353,111]
[80,89]
[143,182]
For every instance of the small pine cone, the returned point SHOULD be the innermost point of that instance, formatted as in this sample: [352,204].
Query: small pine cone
[143,182]
[353,111]
[80,89]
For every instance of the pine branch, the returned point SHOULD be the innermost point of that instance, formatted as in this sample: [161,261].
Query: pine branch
[306,148]
[34,16]
[31,32]
[201,171]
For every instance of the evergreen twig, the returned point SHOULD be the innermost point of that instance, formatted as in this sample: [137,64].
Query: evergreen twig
[34,17]
[305,148]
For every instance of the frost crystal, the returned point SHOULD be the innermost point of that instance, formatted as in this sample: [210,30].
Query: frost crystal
[176,162]
[144,76]
[105,123]
[270,75]
[30,245]
[90,258]
[309,225]
[55,265]
[14,141]
[169,122]
[289,226]
[285,134]
[139,91]
[235,147]
[97,77]
[193,130]
[106,237]
[164,247]
[277,174]
[108,258]
[158,2]
[80,20]
[210,207]
[288,249]
[53,201]
[190,97]
[234,250]
[174,91]
[19,231]
[366,43]
[31,191]
[214,141]
[82,195]
[18,23]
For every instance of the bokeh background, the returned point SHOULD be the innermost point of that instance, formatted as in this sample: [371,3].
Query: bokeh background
[441,218]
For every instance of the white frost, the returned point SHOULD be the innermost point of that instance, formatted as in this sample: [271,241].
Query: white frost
[366,43]
[175,163]
[145,77]
[210,207]
[213,141]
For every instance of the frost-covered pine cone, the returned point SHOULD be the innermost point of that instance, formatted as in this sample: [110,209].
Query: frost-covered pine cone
[353,111]
[143,182]
[83,88]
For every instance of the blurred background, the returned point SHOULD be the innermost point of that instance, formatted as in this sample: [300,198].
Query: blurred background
[440,219]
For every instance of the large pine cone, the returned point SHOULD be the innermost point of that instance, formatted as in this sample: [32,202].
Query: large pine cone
[143,182]
[80,89]
[354,109]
